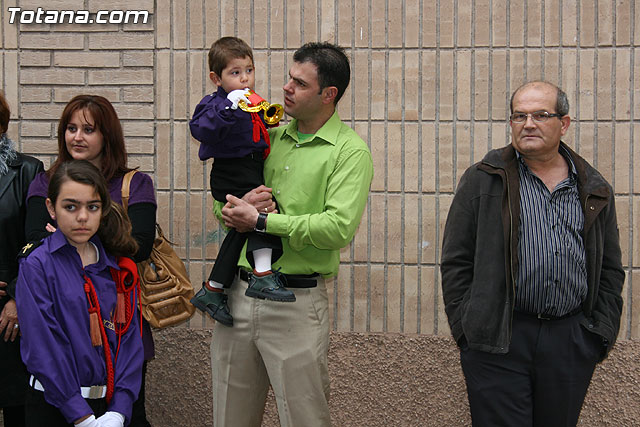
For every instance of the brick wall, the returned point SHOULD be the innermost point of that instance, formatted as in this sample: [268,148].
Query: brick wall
[430,89]
[429,92]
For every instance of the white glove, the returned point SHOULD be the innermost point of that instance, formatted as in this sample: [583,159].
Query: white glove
[111,419]
[238,95]
[89,422]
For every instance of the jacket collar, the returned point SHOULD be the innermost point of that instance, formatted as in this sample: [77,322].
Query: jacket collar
[590,181]
[221,92]
[13,162]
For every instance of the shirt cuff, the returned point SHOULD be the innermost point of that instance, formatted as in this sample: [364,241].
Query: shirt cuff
[278,224]
[74,408]
[121,403]
[11,287]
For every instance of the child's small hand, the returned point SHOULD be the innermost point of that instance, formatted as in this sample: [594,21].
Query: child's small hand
[238,95]
[261,199]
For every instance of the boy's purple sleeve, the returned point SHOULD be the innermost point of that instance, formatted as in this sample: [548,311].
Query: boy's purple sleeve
[211,122]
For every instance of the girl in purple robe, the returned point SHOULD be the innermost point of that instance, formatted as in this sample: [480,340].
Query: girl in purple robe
[80,331]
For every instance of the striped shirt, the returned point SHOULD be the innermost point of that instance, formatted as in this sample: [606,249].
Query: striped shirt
[552,277]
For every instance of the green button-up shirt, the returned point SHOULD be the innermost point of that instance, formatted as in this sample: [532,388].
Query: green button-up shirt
[321,186]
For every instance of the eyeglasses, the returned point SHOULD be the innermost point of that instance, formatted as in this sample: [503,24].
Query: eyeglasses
[536,116]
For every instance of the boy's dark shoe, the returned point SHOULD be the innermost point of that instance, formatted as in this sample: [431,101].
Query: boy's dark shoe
[270,287]
[214,303]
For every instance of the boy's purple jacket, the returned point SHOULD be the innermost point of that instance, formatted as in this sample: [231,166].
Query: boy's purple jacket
[54,320]
[223,132]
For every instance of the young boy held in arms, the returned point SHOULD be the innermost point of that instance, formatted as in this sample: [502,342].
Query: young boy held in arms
[239,143]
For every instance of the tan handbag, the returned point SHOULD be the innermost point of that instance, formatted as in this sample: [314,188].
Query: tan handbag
[165,288]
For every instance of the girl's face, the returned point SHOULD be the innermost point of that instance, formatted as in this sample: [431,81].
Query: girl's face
[84,141]
[78,211]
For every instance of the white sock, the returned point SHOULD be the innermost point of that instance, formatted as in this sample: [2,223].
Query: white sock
[215,284]
[262,259]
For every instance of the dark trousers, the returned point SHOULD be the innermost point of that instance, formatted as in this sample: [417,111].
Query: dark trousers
[541,381]
[238,177]
[39,413]
[226,266]
[138,412]
[13,416]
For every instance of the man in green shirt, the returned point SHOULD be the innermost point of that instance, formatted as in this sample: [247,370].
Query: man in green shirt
[319,170]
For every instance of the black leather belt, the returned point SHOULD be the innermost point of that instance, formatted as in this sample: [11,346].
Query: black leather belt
[256,155]
[544,316]
[293,280]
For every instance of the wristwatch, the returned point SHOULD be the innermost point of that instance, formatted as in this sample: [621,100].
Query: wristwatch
[261,224]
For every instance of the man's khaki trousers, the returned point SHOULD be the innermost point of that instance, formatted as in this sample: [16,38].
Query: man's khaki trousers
[281,343]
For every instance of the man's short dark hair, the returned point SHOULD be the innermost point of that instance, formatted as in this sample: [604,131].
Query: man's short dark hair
[224,50]
[332,64]
[562,102]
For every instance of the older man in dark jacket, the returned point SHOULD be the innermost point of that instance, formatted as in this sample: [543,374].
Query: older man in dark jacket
[531,270]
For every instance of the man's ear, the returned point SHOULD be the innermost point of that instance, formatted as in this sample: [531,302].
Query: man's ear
[50,208]
[329,94]
[215,78]
[566,121]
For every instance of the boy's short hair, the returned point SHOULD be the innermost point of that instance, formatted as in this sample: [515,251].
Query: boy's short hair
[224,50]
[332,64]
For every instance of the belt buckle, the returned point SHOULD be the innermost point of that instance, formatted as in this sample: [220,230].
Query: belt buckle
[542,316]
[95,391]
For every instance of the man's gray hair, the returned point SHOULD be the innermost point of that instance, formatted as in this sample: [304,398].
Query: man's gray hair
[562,102]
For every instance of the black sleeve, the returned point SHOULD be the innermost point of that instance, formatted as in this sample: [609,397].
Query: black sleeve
[143,224]
[11,288]
[36,219]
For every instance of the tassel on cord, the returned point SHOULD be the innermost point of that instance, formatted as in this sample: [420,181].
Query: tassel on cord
[94,327]
[94,316]
[128,289]
[121,317]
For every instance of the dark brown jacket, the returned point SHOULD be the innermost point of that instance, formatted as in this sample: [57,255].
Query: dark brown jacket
[480,253]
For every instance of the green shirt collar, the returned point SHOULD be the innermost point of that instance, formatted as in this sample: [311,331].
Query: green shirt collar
[328,132]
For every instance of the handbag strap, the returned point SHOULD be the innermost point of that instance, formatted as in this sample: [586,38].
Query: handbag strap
[161,235]
[126,183]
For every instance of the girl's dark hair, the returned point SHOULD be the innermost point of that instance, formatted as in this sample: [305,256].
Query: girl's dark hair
[114,152]
[115,227]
